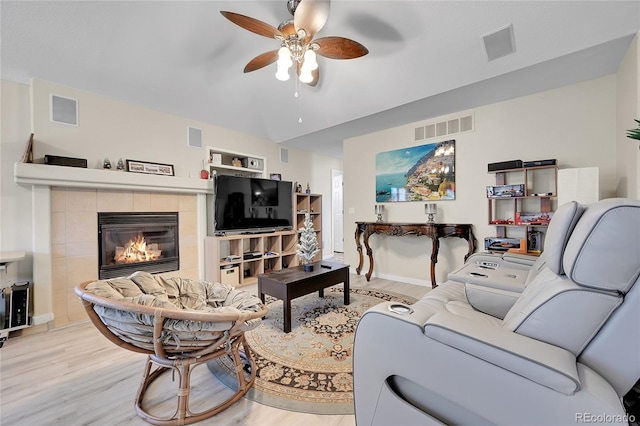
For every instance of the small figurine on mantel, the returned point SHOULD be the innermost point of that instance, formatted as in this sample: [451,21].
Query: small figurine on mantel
[106,164]
[298,187]
[308,188]
[120,165]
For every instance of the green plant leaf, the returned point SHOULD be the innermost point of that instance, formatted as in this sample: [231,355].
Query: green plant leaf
[634,133]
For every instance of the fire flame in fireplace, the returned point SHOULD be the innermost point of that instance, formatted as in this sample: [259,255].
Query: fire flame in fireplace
[137,251]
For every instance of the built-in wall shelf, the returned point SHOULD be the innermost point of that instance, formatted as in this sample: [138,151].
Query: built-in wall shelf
[221,161]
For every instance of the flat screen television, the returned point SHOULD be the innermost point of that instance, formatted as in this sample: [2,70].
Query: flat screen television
[252,204]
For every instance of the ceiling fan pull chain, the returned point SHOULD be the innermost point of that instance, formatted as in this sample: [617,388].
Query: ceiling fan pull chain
[297,95]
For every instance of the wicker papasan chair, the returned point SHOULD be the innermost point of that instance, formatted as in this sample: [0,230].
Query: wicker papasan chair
[179,323]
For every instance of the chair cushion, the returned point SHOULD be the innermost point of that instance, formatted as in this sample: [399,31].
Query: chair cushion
[560,228]
[142,288]
[601,253]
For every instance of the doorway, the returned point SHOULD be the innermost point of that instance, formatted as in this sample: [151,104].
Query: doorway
[337,214]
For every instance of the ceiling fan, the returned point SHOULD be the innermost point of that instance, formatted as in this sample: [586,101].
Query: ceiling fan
[297,46]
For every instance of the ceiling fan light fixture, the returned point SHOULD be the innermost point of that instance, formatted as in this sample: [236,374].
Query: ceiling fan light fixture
[306,76]
[310,61]
[284,58]
[282,73]
[296,39]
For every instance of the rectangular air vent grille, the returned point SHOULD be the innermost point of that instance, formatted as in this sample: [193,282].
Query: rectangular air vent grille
[443,128]
[63,110]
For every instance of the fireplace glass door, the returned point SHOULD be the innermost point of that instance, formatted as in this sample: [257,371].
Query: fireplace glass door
[131,242]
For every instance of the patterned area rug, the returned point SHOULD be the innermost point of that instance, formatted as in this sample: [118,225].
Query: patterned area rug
[310,369]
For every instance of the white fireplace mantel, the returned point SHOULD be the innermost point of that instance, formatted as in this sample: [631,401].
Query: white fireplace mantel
[59,176]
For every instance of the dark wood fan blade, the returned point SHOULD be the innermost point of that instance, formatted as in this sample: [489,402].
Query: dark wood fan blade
[261,61]
[340,48]
[251,24]
[311,15]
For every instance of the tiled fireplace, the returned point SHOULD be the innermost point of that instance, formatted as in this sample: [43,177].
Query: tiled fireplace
[76,246]
[66,204]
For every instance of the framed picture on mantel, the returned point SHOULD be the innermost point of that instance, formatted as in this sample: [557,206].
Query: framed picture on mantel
[135,166]
[418,173]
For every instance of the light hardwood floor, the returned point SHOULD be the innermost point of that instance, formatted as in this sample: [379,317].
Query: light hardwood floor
[75,376]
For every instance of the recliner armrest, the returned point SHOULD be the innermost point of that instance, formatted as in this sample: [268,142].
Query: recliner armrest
[537,361]
[492,301]
[514,259]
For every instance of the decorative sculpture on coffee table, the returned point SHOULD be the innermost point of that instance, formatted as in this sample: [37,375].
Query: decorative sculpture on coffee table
[307,244]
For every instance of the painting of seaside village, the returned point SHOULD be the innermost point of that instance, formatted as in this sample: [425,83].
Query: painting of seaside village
[418,173]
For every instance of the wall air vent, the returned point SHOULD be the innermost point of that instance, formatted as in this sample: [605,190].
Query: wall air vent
[443,128]
[466,123]
[430,131]
[63,110]
[284,155]
[194,137]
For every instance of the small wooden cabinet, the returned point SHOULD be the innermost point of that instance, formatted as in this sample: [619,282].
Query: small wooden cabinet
[523,210]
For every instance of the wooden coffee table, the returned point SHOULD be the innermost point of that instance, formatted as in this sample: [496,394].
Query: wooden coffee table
[287,284]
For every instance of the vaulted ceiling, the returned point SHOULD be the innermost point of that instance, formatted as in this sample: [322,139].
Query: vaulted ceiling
[427,58]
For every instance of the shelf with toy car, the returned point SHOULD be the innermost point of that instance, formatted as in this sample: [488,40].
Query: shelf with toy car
[521,203]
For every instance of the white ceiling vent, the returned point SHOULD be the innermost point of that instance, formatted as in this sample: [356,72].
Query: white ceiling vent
[194,137]
[442,128]
[499,43]
[63,110]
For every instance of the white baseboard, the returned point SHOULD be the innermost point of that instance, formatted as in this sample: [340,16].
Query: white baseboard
[42,319]
[423,283]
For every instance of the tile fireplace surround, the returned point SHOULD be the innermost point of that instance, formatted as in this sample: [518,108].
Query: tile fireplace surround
[66,201]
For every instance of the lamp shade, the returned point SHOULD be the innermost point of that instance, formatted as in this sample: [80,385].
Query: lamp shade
[430,208]
[379,208]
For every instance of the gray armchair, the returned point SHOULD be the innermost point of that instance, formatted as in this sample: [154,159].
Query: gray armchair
[565,351]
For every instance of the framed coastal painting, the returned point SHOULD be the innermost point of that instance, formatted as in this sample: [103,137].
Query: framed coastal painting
[418,173]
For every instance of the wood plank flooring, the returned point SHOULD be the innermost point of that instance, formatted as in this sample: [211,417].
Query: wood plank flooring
[75,376]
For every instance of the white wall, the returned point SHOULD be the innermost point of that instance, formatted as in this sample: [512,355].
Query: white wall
[116,129]
[575,125]
[628,109]
[15,201]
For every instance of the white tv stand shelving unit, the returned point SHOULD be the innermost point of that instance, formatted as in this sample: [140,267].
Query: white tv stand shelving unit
[276,250]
